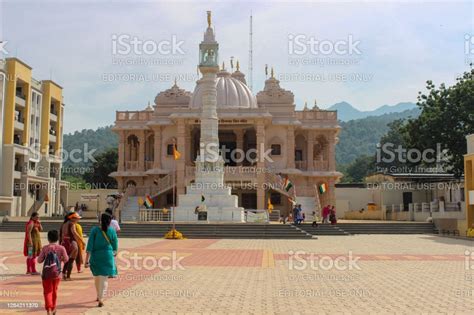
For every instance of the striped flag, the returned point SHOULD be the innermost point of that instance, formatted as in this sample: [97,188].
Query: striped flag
[148,202]
[288,184]
[323,188]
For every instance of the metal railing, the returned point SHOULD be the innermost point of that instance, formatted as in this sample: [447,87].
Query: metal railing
[256,216]
[155,215]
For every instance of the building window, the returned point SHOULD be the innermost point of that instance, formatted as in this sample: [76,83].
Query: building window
[276,149]
[275,198]
[169,149]
[298,155]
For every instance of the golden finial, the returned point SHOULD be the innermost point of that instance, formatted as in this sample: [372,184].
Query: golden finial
[305,105]
[238,66]
[175,81]
[208,18]
[232,64]
[272,73]
[223,66]
[266,70]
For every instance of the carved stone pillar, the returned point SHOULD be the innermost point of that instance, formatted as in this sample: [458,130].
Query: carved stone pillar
[141,150]
[157,147]
[332,151]
[290,145]
[260,165]
[127,149]
[239,134]
[310,156]
[121,151]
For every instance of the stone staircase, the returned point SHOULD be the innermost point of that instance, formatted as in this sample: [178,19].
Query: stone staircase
[370,228]
[237,231]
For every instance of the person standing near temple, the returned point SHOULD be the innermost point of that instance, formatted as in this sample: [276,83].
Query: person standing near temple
[326,211]
[101,249]
[69,238]
[81,244]
[113,223]
[32,243]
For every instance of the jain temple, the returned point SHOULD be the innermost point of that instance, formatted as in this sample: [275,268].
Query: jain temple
[222,131]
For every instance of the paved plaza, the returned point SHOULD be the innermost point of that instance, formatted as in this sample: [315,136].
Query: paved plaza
[334,274]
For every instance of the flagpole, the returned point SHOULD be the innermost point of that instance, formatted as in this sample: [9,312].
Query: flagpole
[174,190]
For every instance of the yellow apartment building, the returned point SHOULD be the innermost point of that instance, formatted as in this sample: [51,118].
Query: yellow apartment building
[30,151]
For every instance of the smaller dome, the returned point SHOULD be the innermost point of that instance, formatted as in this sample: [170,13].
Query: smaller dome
[173,96]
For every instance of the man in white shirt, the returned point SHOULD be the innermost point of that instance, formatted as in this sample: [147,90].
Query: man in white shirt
[113,223]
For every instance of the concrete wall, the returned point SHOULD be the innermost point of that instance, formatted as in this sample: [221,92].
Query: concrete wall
[75,196]
[355,198]
[366,215]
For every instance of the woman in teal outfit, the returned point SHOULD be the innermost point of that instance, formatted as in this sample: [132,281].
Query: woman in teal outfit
[101,249]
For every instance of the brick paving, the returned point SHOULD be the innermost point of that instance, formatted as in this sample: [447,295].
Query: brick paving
[389,274]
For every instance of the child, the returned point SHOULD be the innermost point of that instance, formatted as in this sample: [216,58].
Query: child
[315,220]
[52,255]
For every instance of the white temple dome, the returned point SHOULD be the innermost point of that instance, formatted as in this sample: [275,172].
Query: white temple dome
[231,93]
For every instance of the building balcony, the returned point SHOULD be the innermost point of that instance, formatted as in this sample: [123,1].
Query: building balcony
[52,138]
[20,100]
[18,125]
[53,117]
[133,116]
[148,165]
[131,165]
[321,165]
[318,165]
[301,165]
[16,174]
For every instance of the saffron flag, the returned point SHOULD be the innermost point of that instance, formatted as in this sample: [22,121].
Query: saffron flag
[148,202]
[288,184]
[323,188]
[269,205]
[176,153]
[140,201]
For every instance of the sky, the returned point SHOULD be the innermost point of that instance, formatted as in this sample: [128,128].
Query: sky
[367,53]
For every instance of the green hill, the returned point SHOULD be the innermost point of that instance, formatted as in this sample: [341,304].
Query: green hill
[85,140]
[360,136]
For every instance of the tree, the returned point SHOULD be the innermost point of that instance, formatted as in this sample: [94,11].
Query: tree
[396,137]
[447,117]
[105,164]
[356,171]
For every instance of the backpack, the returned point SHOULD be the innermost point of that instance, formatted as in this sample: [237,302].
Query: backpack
[51,266]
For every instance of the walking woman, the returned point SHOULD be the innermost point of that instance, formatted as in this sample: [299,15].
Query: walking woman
[32,243]
[69,238]
[101,249]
